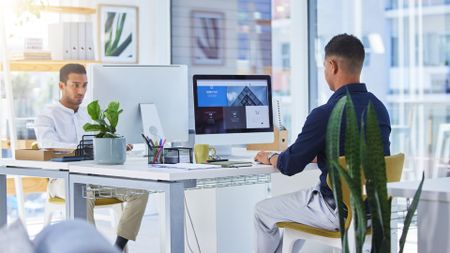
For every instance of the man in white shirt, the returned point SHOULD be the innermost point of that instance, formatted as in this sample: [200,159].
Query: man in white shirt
[61,126]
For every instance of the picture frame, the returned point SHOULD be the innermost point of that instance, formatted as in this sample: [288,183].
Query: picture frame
[118,33]
[208,37]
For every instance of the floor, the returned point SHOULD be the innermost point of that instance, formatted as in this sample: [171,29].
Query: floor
[148,239]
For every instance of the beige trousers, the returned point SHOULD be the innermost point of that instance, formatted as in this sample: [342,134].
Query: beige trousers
[131,219]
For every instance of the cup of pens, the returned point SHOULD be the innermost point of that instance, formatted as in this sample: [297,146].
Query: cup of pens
[155,150]
[156,155]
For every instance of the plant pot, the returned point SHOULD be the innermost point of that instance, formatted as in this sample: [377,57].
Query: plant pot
[110,150]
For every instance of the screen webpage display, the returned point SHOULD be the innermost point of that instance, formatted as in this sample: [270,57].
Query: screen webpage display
[232,106]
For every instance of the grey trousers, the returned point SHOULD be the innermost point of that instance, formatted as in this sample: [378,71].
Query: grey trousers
[130,221]
[306,207]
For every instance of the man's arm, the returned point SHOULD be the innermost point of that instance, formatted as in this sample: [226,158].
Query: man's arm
[46,134]
[309,143]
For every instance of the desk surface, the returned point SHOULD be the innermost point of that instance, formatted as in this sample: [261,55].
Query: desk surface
[138,168]
[49,165]
[433,189]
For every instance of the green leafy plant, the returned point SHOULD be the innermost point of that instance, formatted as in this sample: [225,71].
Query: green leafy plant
[363,149]
[105,121]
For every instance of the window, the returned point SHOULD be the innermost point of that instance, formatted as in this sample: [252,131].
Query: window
[407,58]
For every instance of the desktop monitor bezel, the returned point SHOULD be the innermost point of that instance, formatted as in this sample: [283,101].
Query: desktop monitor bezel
[170,98]
[221,138]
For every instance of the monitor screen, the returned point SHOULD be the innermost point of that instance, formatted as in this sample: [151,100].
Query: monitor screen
[232,104]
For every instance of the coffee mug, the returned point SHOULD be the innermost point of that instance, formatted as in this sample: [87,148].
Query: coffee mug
[203,152]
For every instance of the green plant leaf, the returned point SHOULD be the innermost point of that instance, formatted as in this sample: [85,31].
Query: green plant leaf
[123,46]
[332,151]
[357,205]
[375,171]
[353,161]
[88,127]
[111,114]
[409,215]
[94,110]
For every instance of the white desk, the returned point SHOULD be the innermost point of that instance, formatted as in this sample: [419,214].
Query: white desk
[433,212]
[135,173]
[30,168]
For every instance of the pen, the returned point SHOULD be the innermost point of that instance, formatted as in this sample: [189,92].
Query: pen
[146,141]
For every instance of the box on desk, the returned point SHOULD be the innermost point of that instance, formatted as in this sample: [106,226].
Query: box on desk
[42,154]
[280,142]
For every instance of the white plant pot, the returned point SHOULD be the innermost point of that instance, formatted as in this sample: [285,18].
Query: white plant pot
[110,150]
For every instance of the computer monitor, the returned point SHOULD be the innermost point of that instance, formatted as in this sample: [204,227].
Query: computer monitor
[233,109]
[166,86]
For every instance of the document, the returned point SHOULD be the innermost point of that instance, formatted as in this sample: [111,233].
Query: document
[186,166]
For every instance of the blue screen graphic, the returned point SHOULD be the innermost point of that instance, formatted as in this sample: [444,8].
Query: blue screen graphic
[212,96]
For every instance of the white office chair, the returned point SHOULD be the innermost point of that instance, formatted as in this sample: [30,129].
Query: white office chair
[442,152]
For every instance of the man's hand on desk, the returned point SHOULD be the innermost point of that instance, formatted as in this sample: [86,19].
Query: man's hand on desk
[269,158]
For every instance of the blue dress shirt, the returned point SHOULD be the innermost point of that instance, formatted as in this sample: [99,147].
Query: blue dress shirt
[311,141]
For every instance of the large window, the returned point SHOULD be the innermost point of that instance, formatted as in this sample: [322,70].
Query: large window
[407,66]
[235,37]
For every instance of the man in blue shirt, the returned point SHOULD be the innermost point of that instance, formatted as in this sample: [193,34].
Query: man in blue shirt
[344,57]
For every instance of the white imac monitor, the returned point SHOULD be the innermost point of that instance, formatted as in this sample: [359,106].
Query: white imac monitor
[166,86]
[233,109]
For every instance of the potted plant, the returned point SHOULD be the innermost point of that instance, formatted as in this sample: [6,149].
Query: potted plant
[109,148]
[365,157]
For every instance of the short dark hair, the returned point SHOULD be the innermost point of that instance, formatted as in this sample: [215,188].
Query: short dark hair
[349,48]
[69,69]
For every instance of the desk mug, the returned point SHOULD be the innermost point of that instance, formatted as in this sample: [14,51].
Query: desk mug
[203,152]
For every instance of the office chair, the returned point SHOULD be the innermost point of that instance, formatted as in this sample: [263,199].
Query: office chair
[294,231]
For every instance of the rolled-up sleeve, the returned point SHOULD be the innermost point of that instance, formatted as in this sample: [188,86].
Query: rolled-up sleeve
[308,144]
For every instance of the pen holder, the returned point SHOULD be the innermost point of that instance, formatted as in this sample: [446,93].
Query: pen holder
[156,155]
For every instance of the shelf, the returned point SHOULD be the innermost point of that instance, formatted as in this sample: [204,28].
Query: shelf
[42,66]
[67,9]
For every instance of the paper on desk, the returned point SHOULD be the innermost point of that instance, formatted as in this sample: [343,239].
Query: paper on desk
[186,166]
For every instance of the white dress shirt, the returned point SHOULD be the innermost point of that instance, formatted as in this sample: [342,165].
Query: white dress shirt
[60,127]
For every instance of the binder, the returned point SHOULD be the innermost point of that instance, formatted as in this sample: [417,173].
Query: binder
[89,41]
[56,41]
[67,54]
[73,40]
[81,40]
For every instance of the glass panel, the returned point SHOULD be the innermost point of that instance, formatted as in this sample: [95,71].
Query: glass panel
[407,66]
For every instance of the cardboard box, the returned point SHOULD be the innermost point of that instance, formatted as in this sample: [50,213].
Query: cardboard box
[20,144]
[280,142]
[42,154]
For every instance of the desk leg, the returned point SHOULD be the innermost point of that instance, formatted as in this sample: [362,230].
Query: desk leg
[68,200]
[433,226]
[173,231]
[3,197]
[78,203]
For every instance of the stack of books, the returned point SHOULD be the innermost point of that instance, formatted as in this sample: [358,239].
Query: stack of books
[33,55]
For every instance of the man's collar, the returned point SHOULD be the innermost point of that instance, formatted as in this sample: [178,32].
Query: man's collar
[66,109]
[351,88]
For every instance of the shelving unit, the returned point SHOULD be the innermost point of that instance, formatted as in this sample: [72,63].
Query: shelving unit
[67,9]
[42,66]
[8,66]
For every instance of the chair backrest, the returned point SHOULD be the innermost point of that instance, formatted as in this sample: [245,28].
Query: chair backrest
[394,168]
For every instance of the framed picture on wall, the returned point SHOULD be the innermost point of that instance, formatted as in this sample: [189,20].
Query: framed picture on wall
[208,37]
[118,33]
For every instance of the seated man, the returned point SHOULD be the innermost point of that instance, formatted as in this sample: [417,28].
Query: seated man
[61,126]
[344,57]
